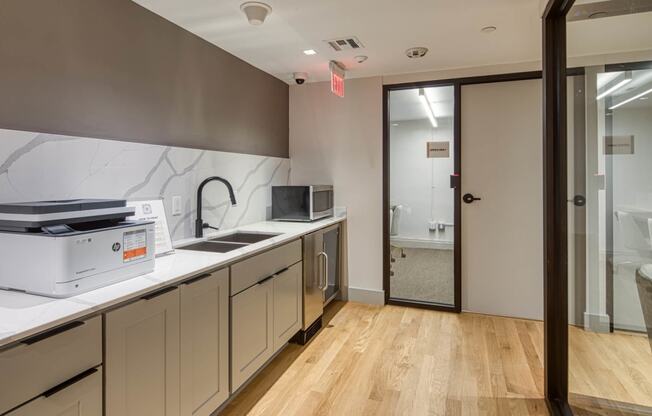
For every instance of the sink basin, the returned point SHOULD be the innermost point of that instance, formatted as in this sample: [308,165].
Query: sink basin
[213,246]
[243,238]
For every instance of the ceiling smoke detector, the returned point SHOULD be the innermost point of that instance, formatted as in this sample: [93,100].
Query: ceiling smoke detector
[361,58]
[418,52]
[256,12]
[488,29]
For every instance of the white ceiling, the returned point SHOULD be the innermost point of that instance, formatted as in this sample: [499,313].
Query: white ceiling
[449,28]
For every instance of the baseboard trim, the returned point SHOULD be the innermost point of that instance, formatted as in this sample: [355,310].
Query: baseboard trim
[369,296]
[596,322]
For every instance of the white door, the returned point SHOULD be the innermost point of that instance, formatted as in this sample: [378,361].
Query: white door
[502,233]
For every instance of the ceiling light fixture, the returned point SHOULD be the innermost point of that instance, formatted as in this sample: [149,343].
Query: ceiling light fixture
[256,12]
[627,78]
[416,52]
[631,99]
[361,58]
[310,52]
[488,29]
[428,107]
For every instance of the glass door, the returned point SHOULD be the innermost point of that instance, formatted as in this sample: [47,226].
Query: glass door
[421,207]
[609,165]
[332,249]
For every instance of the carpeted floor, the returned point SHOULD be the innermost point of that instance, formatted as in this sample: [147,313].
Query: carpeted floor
[423,274]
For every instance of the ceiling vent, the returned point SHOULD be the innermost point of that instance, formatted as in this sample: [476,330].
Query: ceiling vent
[343,44]
[418,52]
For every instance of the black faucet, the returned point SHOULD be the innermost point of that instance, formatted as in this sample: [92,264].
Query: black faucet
[199,222]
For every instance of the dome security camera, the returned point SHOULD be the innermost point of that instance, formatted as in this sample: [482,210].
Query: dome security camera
[300,77]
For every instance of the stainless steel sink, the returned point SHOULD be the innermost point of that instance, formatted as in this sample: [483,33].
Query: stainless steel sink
[213,246]
[243,237]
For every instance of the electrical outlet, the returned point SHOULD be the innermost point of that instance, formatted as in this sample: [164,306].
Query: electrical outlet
[176,205]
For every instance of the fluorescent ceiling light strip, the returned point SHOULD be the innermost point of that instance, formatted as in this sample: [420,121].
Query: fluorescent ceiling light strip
[630,99]
[428,107]
[627,78]
[614,88]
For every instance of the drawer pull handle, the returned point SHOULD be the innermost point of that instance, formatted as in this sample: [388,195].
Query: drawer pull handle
[197,278]
[281,271]
[79,377]
[260,282]
[55,331]
[266,279]
[158,293]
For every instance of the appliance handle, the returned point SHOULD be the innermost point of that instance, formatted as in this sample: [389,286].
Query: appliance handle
[321,275]
[325,272]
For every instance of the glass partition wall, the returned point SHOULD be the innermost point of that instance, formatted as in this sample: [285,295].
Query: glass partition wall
[609,183]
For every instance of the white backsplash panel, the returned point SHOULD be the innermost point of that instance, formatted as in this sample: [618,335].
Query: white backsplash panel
[39,166]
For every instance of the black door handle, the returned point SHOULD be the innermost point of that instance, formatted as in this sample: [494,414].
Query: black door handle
[469,198]
[578,200]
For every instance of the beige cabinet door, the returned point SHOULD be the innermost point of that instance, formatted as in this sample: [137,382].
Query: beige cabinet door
[81,396]
[287,305]
[252,338]
[205,343]
[142,357]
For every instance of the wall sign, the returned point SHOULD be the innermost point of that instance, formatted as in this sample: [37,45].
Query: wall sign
[618,145]
[437,149]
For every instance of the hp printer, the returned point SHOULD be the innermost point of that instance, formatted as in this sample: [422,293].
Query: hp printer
[63,248]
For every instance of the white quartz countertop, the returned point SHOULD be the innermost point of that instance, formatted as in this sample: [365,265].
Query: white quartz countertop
[23,315]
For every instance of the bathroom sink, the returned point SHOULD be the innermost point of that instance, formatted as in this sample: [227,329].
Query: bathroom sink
[243,238]
[213,246]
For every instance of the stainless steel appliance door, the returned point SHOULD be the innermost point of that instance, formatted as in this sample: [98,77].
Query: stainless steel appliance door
[331,237]
[321,201]
[313,278]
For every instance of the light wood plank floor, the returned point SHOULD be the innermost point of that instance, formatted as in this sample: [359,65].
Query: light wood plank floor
[372,360]
[391,360]
[610,371]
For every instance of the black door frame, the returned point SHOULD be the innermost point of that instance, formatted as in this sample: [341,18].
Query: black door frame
[555,245]
[457,84]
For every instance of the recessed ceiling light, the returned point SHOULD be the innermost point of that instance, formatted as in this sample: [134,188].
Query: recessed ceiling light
[394,124]
[416,52]
[488,29]
[644,98]
[310,52]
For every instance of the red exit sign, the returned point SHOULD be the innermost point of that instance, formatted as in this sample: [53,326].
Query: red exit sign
[337,79]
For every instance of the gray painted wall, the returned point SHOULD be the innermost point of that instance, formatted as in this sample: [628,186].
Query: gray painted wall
[112,69]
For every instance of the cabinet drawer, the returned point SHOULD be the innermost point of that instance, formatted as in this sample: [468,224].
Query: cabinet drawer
[80,396]
[251,271]
[44,361]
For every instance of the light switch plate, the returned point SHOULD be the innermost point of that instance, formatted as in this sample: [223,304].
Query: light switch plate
[176,205]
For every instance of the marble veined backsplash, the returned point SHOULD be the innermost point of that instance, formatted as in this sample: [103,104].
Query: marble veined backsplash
[39,166]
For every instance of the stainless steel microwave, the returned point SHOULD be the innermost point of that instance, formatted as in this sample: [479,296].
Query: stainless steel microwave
[302,203]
